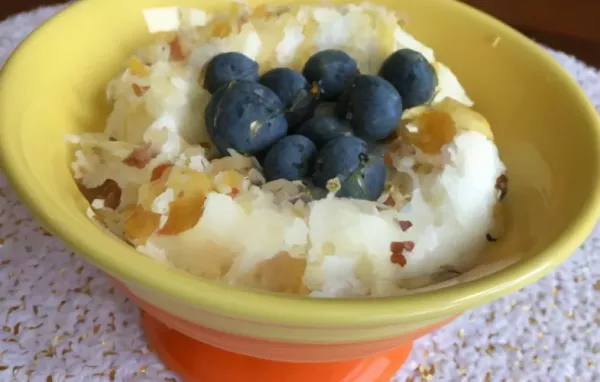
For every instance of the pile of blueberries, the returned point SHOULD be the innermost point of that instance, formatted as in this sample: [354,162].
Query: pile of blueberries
[324,123]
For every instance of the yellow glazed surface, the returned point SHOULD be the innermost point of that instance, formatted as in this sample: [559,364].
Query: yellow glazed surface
[547,132]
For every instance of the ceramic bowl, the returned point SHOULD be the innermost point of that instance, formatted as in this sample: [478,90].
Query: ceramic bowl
[547,132]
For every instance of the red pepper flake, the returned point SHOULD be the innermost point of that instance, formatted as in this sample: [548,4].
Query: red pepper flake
[387,159]
[405,225]
[176,50]
[139,90]
[401,246]
[140,156]
[109,191]
[159,170]
[397,248]
[390,201]
[398,258]
[234,192]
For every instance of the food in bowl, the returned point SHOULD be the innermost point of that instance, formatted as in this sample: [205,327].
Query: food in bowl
[313,150]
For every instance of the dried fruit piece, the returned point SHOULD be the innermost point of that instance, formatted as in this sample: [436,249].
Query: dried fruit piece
[282,273]
[231,178]
[184,214]
[401,246]
[177,52]
[397,248]
[150,191]
[140,156]
[191,188]
[398,258]
[387,159]
[160,170]
[189,182]
[390,201]
[221,29]
[139,90]
[138,68]
[109,191]
[465,118]
[141,224]
[405,225]
[435,130]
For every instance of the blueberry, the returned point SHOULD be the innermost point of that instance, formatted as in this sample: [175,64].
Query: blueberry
[412,75]
[245,116]
[329,71]
[291,158]
[338,158]
[322,129]
[361,172]
[294,92]
[366,182]
[325,108]
[372,106]
[226,67]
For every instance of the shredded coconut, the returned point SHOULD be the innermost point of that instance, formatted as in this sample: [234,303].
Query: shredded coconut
[219,218]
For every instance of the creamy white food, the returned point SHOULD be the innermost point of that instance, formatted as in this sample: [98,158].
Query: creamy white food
[216,217]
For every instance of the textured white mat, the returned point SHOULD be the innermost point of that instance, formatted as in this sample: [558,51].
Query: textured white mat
[62,321]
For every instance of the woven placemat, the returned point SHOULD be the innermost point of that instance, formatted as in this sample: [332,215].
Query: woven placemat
[63,321]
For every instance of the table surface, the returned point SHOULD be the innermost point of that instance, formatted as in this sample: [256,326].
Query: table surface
[62,320]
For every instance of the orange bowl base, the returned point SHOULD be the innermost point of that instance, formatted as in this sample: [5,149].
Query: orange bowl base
[194,361]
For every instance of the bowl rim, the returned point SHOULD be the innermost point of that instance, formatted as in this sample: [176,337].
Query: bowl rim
[267,307]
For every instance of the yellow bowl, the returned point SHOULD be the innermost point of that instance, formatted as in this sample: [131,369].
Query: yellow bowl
[547,131]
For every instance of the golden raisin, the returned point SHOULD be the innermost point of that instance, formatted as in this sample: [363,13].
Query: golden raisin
[435,129]
[189,182]
[150,191]
[191,188]
[231,178]
[465,118]
[221,29]
[141,224]
[281,273]
[109,191]
[184,213]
